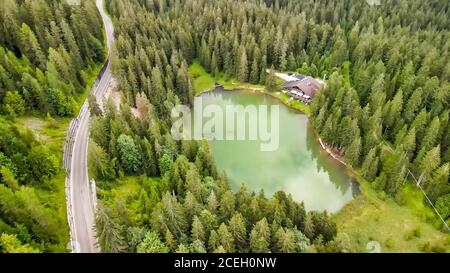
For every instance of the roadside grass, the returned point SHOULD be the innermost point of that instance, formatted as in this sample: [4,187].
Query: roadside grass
[52,133]
[125,188]
[89,75]
[122,192]
[405,224]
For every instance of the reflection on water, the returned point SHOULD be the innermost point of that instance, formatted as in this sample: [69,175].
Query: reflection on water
[299,166]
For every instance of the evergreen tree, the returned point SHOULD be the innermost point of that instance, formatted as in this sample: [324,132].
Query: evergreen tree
[370,165]
[238,230]
[260,237]
[130,156]
[226,240]
[152,244]
[353,153]
[285,241]
[242,71]
[198,232]
[108,231]
[270,81]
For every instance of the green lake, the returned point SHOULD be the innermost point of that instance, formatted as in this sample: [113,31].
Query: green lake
[299,166]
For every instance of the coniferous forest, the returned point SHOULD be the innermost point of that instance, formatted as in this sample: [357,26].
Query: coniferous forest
[385,107]
[46,49]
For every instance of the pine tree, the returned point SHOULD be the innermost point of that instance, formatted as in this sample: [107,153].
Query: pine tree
[169,214]
[205,161]
[291,62]
[31,47]
[150,165]
[170,241]
[260,237]
[254,73]
[227,205]
[339,54]
[198,231]
[432,135]
[429,163]
[213,242]
[182,249]
[394,111]
[395,168]
[285,241]
[130,156]
[262,69]
[270,81]
[413,105]
[353,153]
[94,108]
[152,244]
[214,65]
[370,165]
[309,226]
[238,230]
[242,72]
[438,184]
[192,207]
[194,184]
[197,246]
[212,203]
[108,231]
[226,240]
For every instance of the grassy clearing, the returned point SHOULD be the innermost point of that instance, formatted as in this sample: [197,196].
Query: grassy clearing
[203,81]
[126,188]
[52,133]
[124,193]
[401,225]
[294,104]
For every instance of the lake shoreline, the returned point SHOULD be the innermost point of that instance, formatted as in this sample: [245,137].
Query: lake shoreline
[264,91]
[321,160]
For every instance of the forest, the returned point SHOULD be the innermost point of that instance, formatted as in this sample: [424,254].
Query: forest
[385,107]
[191,208]
[46,49]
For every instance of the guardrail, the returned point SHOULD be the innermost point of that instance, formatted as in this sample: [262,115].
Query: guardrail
[68,151]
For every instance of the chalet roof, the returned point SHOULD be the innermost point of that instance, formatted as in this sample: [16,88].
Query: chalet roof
[297,76]
[308,85]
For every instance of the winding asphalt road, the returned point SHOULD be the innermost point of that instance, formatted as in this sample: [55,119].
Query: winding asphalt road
[82,194]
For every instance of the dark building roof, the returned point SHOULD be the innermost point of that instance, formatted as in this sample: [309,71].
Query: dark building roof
[299,76]
[308,85]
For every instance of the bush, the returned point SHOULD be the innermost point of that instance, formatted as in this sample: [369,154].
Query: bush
[42,162]
[13,104]
[443,206]
[130,156]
